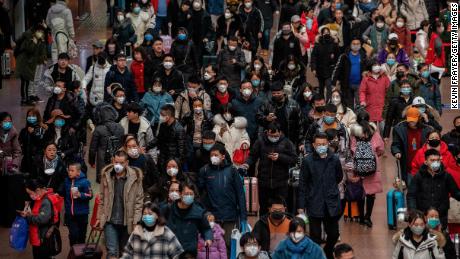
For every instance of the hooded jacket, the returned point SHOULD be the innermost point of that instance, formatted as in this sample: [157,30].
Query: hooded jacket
[217,249]
[40,220]
[448,161]
[427,249]
[96,75]
[234,136]
[59,18]
[125,79]
[73,73]
[183,103]
[415,12]
[152,104]
[324,57]
[144,135]
[78,206]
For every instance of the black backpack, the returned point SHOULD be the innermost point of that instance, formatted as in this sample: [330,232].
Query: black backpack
[113,145]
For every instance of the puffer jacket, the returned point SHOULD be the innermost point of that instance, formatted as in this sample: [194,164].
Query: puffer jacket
[171,142]
[452,139]
[415,12]
[347,117]
[283,48]
[448,161]
[428,249]
[139,22]
[324,57]
[394,114]
[273,174]
[59,18]
[421,42]
[124,33]
[133,196]
[223,186]
[10,147]
[96,74]
[152,104]
[401,55]
[182,103]
[186,55]
[372,93]
[234,136]
[231,71]
[40,220]
[144,134]
[73,73]
[436,54]
[78,206]
[217,249]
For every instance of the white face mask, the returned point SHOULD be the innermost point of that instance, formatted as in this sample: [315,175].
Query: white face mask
[228,15]
[335,100]
[118,168]
[133,152]
[307,94]
[168,65]
[231,48]
[49,171]
[196,5]
[174,196]
[120,99]
[162,119]
[247,92]
[257,66]
[215,160]
[172,171]
[57,90]
[198,110]
[222,88]
[212,224]
[297,236]
[156,89]
[207,76]
[380,24]
[248,5]
[376,69]
[399,24]
[120,18]
[251,250]
[291,66]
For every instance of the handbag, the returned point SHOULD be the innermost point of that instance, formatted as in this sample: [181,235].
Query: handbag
[240,155]
[19,234]
[52,242]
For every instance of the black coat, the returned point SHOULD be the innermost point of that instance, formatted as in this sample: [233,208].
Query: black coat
[262,231]
[171,143]
[283,48]
[394,113]
[316,127]
[56,180]
[273,174]
[173,81]
[248,109]
[221,28]
[288,10]
[31,147]
[267,8]
[251,24]
[324,58]
[125,79]
[231,71]
[318,185]
[68,105]
[426,191]
[67,145]
[186,56]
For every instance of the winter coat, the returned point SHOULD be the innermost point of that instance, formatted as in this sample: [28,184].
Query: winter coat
[187,224]
[124,33]
[200,27]
[262,231]
[40,221]
[67,144]
[234,136]
[273,174]
[186,56]
[404,38]
[248,110]
[183,103]
[163,244]
[319,126]
[231,71]
[31,146]
[427,249]
[173,81]
[324,57]
[215,7]
[151,174]
[318,185]
[448,161]
[395,90]
[189,125]
[68,105]
[291,109]
[261,255]
[436,55]
[77,206]
[289,9]
[372,93]
[125,79]
[433,117]
[171,142]
[394,114]
[347,117]
[283,48]
[10,147]
[390,71]
[221,28]
[421,42]
[54,181]
[401,56]
[251,24]
[372,184]
[31,55]
[133,196]
[59,19]
[138,71]
[310,249]
[415,12]
[152,104]
[372,34]
[96,75]
[139,22]
[311,32]
[431,93]
[267,8]
[224,196]
[73,73]
[217,249]
[452,139]
[105,127]
[215,102]
[144,135]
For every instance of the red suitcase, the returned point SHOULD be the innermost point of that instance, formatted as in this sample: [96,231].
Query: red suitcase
[252,195]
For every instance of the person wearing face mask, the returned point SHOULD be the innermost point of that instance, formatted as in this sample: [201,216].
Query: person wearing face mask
[396,105]
[432,186]
[251,248]
[452,138]
[151,232]
[267,8]
[59,20]
[217,249]
[94,80]
[170,175]
[201,157]
[230,62]
[372,92]
[225,197]
[259,68]
[393,46]
[252,24]
[434,142]
[118,103]
[246,105]
[185,53]
[345,115]
[429,115]
[404,35]
[183,104]
[376,35]
[415,241]
[142,70]
[221,94]
[305,100]
[291,73]
[136,124]
[31,139]
[210,78]
[286,43]
[318,107]
[139,20]
[153,100]
[187,219]
[118,212]
[171,78]
[276,154]
[227,26]
[123,30]
[271,228]
[60,71]
[321,170]
[390,66]
[297,244]
[436,55]
[429,87]
[323,59]
[328,12]
[283,110]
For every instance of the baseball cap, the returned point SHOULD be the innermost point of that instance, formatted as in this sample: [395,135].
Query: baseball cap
[418,101]
[393,36]
[412,114]
[295,18]
[98,44]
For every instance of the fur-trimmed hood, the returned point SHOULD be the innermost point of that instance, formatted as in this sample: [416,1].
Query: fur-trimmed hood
[238,122]
[356,130]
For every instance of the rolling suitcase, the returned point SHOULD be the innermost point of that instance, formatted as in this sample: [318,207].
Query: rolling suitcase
[88,250]
[6,64]
[293,186]
[252,195]
[395,202]
[351,212]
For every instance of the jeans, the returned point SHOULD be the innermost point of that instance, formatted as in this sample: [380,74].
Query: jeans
[331,227]
[267,193]
[265,41]
[116,237]
[77,225]
[161,24]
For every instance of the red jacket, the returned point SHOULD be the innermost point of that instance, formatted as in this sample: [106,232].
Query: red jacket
[372,92]
[311,33]
[34,229]
[404,38]
[432,56]
[137,68]
[447,160]
[456,173]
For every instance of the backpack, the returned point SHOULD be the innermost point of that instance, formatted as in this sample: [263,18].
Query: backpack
[113,145]
[58,203]
[365,162]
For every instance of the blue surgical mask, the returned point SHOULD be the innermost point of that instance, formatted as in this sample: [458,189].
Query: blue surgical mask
[338,5]
[406,91]
[433,222]
[32,119]
[207,147]
[7,125]
[59,123]
[426,74]
[329,119]
[422,109]
[309,23]
[435,165]
[321,150]
[255,82]
[149,220]
[182,36]
[391,61]
[148,37]
[188,199]
[136,10]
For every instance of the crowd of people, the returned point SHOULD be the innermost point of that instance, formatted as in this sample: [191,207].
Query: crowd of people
[185,102]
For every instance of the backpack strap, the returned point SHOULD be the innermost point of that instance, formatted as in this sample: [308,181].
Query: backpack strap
[430,249]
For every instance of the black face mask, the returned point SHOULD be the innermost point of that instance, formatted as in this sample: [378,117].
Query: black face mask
[434,142]
[101,61]
[399,75]
[327,37]
[277,99]
[320,108]
[457,128]
[277,215]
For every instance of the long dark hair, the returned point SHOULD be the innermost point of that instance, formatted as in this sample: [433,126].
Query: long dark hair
[362,118]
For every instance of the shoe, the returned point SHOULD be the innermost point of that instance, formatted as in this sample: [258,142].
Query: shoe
[368,223]
[362,222]
[34,98]
[30,103]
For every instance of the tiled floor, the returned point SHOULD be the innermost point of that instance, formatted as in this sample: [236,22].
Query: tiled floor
[368,242]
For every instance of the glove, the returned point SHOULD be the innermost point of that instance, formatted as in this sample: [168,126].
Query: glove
[244,226]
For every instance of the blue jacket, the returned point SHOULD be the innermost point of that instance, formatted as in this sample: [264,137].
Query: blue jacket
[78,206]
[318,185]
[431,93]
[307,250]
[125,79]
[186,227]
[248,109]
[152,103]
[224,194]
[215,7]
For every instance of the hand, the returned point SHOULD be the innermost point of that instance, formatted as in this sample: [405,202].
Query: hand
[108,89]
[275,156]
[398,156]
[93,166]
[259,35]
[34,39]
[425,117]
[301,211]
[97,225]
[314,72]
[142,150]
[172,92]
[30,129]
[208,243]
[301,148]
[244,146]
[24,213]
[76,195]
[277,12]
[386,140]
[271,117]
[245,166]
[363,104]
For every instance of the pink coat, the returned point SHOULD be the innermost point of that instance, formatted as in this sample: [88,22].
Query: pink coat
[372,92]
[218,249]
[372,184]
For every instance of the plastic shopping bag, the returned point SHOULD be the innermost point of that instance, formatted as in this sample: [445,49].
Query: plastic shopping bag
[235,244]
[19,234]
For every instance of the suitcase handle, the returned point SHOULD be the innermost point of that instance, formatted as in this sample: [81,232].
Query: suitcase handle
[90,240]
[207,252]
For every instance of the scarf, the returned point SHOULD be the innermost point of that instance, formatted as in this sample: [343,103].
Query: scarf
[198,119]
[48,164]
[296,249]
